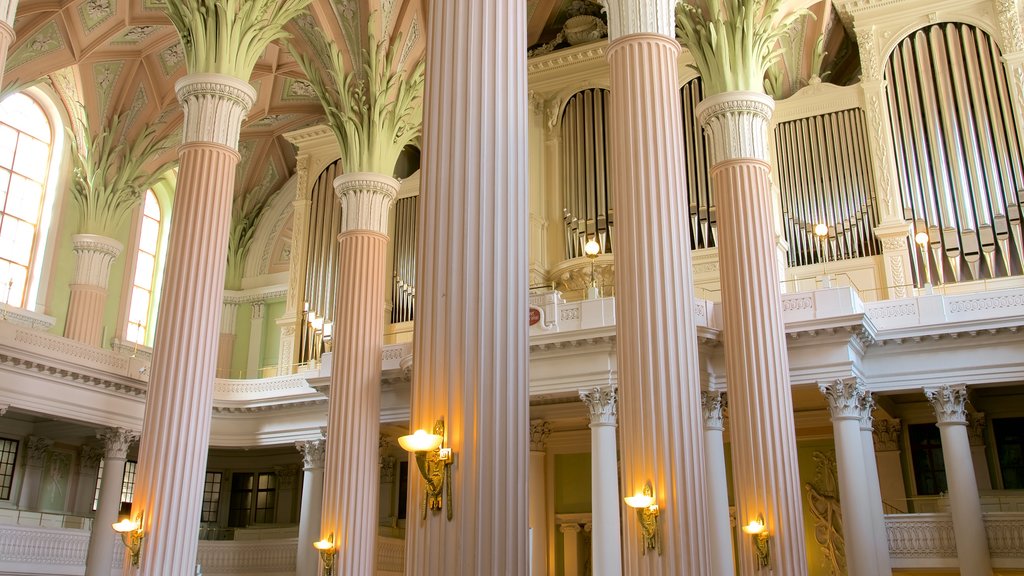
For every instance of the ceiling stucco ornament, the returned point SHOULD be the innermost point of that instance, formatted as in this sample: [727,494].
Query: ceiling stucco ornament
[47,40]
[105,76]
[171,58]
[95,12]
[735,42]
[135,34]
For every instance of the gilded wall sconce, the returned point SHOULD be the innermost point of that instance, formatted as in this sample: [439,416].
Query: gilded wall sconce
[131,535]
[328,552]
[434,461]
[647,512]
[759,532]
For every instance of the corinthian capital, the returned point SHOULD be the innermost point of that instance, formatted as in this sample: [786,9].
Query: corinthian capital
[312,452]
[366,199]
[844,397]
[713,403]
[117,441]
[603,404]
[949,403]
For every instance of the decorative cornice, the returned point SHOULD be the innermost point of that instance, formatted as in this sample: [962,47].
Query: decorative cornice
[539,433]
[736,124]
[366,200]
[627,17]
[886,435]
[312,453]
[603,404]
[215,106]
[713,404]
[844,397]
[117,441]
[949,403]
[255,295]
[95,255]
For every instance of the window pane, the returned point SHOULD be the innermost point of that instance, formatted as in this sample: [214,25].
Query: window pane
[152,207]
[5,181]
[31,158]
[8,142]
[140,306]
[16,240]
[144,272]
[24,199]
[22,112]
[12,283]
[149,235]
[8,453]
[136,333]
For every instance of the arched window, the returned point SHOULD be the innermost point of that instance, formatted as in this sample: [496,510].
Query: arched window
[25,145]
[141,311]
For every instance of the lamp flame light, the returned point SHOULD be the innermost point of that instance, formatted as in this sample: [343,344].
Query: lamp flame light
[434,461]
[327,552]
[592,250]
[759,533]
[131,535]
[647,512]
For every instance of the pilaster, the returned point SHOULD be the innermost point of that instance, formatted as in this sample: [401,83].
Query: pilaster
[94,256]
[89,456]
[8,8]
[291,322]
[976,437]
[36,448]
[896,257]
[886,436]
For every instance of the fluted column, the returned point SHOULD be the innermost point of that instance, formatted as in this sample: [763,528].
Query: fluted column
[714,404]
[116,442]
[763,436]
[844,399]
[95,254]
[35,450]
[306,558]
[351,481]
[604,480]
[874,489]
[539,432]
[8,8]
[226,343]
[89,457]
[659,394]
[470,340]
[949,403]
[176,427]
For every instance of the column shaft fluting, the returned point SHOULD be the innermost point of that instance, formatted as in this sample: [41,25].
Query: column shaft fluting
[176,427]
[352,471]
[972,552]
[306,558]
[100,555]
[844,398]
[95,255]
[606,542]
[659,393]
[719,528]
[470,341]
[762,437]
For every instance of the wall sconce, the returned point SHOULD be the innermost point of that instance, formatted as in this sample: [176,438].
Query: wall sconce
[132,535]
[592,250]
[759,532]
[327,553]
[647,512]
[434,461]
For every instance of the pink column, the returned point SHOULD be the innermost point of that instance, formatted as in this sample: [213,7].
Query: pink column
[351,478]
[176,428]
[95,255]
[8,8]
[100,556]
[470,344]
[763,438]
[659,387]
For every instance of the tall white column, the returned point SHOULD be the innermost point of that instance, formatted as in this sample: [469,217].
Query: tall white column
[874,489]
[539,432]
[949,403]
[88,468]
[179,402]
[714,404]
[95,255]
[570,549]
[116,442]
[307,560]
[35,450]
[659,385]
[470,341]
[604,480]
[844,398]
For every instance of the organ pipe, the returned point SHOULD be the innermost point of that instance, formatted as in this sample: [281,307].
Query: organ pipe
[403,274]
[322,262]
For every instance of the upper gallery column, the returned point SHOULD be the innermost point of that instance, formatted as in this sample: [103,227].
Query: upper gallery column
[714,405]
[100,555]
[7,10]
[606,547]
[470,339]
[659,385]
[372,127]
[727,48]
[950,405]
[306,558]
[215,96]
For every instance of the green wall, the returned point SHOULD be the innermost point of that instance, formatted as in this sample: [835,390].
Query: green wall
[572,496]
[243,335]
[271,333]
